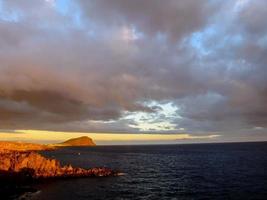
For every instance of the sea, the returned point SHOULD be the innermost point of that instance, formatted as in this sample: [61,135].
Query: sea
[184,172]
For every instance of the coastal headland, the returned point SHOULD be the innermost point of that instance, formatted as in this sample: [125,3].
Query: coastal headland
[23,158]
[22,163]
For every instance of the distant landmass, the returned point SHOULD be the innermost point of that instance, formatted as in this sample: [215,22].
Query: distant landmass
[80,141]
[6,146]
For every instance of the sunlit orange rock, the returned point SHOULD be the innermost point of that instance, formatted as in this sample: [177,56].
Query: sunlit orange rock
[23,159]
[22,147]
[37,166]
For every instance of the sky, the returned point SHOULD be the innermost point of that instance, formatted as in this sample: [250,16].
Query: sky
[124,71]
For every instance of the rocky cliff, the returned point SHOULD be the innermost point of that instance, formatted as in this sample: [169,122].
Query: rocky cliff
[34,165]
[21,166]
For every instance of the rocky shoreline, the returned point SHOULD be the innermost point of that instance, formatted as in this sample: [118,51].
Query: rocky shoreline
[35,166]
[21,166]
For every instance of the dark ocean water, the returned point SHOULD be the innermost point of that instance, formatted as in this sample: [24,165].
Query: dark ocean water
[198,171]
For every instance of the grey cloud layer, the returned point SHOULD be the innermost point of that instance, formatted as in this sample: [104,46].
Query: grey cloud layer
[58,74]
[173,18]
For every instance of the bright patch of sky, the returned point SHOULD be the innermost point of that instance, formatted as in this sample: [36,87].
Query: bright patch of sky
[129,34]
[62,6]
[213,38]
[51,2]
[160,120]
[198,40]
[240,4]
[8,15]
[40,136]
[258,128]
[68,8]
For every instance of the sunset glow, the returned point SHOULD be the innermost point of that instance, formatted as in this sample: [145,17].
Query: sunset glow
[106,138]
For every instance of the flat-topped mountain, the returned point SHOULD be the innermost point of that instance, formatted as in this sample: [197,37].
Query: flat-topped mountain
[80,141]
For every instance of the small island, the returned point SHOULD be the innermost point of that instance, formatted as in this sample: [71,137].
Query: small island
[80,141]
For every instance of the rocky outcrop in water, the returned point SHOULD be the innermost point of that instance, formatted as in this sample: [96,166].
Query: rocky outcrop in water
[34,165]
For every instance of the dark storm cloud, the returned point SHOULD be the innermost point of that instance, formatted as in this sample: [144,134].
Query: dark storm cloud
[172,18]
[252,18]
[84,69]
